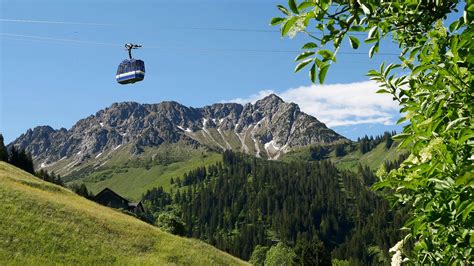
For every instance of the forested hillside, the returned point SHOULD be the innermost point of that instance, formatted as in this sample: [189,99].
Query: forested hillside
[245,201]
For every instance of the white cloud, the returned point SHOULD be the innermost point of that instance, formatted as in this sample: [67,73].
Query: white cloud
[339,104]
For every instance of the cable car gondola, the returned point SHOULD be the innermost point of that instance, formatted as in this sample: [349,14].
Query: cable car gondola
[130,70]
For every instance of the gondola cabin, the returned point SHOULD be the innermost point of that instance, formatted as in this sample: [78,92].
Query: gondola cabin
[130,71]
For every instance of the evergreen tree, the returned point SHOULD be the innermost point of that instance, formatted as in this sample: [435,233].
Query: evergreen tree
[388,140]
[311,253]
[340,150]
[81,190]
[21,159]
[318,152]
[3,150]
[364,145]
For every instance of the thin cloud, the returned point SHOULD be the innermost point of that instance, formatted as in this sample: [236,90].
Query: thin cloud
[339,104]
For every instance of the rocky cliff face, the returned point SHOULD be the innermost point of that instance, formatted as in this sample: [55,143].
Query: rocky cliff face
[268,128]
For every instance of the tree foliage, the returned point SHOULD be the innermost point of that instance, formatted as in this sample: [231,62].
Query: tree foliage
[259,255]
[3,150]
[81,190]
[311,253]
[21,159]
[279,255]
[53,178]
[433,84]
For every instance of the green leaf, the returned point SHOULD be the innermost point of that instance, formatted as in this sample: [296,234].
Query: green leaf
[284,10]
[372,32]
[390,68]
[456,122]
[322,73]
[382,91]
[305,5]
[414,52]
[326,54]
[318,62]
[470,7]
[309,16]
[324,4]
[310,45]
[401,120]
[420,68]
[303,64]
[276,21]
[354,42]
[312,73]
[287,26]
[373,50]
[467,211]
[371,40]
[373,73]
[364,8]
[303,55]
[454,26]
[356,28]
[467,179]
[400,136]
[293,6]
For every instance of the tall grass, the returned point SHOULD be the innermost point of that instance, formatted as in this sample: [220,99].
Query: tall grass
[41,223]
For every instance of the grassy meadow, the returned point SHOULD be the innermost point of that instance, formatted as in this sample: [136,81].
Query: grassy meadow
[42,223]
[373,159]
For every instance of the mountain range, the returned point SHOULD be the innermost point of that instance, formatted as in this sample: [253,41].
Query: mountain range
[269,128]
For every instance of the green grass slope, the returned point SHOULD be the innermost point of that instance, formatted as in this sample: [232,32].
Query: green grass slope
[132,182]
[42,223]
[132,175]
[373,159]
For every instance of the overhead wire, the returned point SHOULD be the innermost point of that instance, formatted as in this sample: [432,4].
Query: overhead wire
[168,28]
[247,30]
[55,42]
[56,22]
[57,39]
[63,40]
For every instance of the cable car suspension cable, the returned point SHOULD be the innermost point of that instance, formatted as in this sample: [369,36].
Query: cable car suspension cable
[177,48]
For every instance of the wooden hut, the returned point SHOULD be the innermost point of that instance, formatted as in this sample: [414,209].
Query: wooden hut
[109,198]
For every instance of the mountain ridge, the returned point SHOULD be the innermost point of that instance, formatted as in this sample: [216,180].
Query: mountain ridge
[268,128]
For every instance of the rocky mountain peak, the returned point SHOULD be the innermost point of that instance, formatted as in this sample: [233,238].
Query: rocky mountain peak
[270,102]
[272,98]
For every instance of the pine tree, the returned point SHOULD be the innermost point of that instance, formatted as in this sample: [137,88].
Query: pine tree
[3,150]
[312,253]
[340,150]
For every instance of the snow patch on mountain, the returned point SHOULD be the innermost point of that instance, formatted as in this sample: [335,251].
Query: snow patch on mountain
[224,139]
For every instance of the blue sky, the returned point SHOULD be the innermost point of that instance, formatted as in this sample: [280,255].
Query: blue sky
[196,53]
